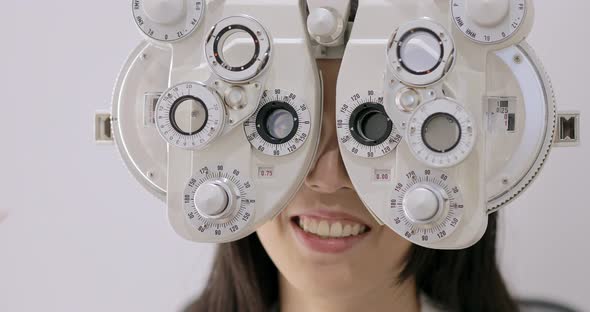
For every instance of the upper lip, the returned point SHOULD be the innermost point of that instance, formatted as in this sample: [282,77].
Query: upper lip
[331,215]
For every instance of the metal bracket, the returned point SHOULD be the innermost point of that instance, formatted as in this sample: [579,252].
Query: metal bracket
[102,128]
[567,133]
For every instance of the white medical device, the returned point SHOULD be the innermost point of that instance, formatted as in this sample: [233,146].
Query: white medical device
[444,113]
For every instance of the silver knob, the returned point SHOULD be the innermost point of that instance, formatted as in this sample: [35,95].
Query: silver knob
[165,11]
[212,199]
[487,13]
[324,25]
[423,204]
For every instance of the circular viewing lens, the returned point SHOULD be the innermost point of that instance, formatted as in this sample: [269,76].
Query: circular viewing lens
[188,115]
[371,124]
[238,47]
[420,51]
[280,124]
[277,122]
[441,132]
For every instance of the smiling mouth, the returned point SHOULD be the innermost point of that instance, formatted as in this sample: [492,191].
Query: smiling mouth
[326,228]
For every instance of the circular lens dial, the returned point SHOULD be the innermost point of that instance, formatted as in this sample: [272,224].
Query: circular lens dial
[426,206]
[219,202]
[238,48]
[488,22]
[167,20]
[189,116]
[420,53]
[441,133]
[281,124]
[364,128]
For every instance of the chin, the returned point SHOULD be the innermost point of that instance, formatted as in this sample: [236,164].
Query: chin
[332,282]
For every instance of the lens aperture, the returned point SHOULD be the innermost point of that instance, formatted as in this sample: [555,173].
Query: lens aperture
[188,115]
[441,132]
[370,125]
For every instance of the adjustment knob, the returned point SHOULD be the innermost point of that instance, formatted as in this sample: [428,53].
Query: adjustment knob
[324,25]
[164,11]
[487,13]
[407,99]
[426,206]
[236,97]
[211,199]
[219,202]
[489,21]
[167,20]
[422,204]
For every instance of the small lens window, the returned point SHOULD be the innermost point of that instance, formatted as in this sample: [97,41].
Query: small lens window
[441,132]
[238,48]
[370,124]
[277,122]
[280,123]
[188,115]
[420,51]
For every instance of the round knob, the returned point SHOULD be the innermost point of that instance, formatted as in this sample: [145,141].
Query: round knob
[211,199]
[487,13]
[407,99]
[324,25]
[421,204]
[164,11]
[235,97]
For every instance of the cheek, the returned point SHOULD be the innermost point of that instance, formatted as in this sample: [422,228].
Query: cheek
[390,250]
[274,238]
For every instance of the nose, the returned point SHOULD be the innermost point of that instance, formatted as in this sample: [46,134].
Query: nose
[329,174]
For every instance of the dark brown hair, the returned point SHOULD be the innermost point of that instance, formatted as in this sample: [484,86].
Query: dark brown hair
[244,276]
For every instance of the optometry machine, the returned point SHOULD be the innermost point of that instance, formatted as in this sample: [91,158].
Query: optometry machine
[444,113]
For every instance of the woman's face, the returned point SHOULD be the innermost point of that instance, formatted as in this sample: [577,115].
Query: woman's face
[319,260]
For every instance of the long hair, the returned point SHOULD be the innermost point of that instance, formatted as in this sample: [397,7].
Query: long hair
[244,278]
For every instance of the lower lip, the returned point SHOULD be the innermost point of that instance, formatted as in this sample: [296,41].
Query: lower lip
[326,245]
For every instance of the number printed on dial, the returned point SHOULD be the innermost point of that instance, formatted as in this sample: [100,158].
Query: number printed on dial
[177,22]
[489,22]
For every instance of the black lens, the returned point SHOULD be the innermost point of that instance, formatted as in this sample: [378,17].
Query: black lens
[370,124]
[277,122]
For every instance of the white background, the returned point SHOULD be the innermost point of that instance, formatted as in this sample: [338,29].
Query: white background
[80,234]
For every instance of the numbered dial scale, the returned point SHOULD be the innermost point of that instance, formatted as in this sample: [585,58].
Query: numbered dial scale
[167,20]
[426,206]
[420,53]
[190,116]
[364,128]
[218,202]
[261,43]
[281,124]
[441,133]
[488,22]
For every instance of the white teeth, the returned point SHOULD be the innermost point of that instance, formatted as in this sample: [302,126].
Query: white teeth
[313,226]
[335,229]
[347,230]
[323,229]
[356,229]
